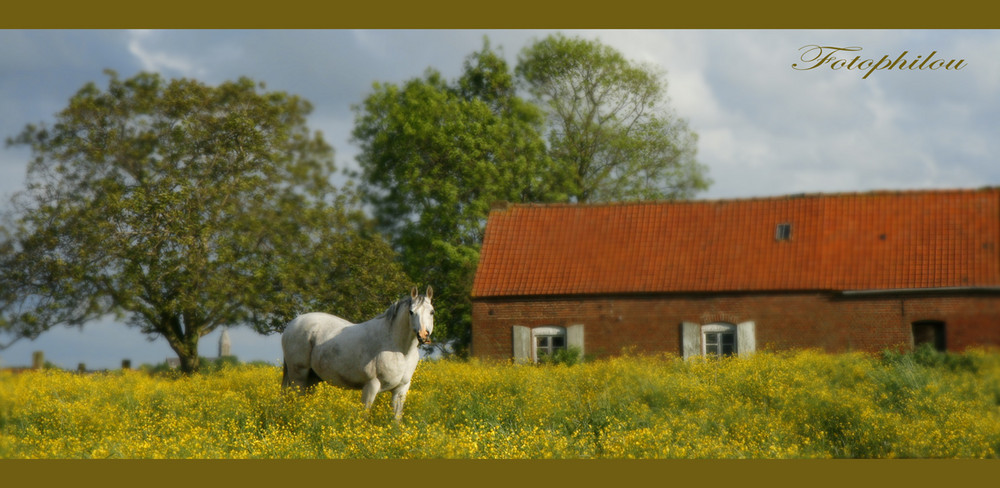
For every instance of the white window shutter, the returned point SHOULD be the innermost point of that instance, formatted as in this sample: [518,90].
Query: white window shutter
[574,337]
[522,344]
[746,338]
[690,339]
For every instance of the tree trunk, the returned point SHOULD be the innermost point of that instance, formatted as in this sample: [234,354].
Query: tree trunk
[189,362]
[183,339]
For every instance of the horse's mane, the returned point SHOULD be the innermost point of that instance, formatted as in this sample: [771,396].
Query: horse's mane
[390,313]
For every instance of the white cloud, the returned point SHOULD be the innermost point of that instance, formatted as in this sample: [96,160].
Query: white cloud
[154,59]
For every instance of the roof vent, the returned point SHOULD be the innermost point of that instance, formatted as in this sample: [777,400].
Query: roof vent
[783,232]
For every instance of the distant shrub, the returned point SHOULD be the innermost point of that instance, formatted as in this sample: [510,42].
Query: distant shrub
[569,356]
[926,355]
[209,366]
[205,366]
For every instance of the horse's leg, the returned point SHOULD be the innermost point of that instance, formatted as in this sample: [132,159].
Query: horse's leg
[297,342]
[398,398]
[312,379]
[369,391]
[297,375]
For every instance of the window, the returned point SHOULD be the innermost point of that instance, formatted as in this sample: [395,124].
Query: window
[718,339]
[929,332]
[548,340]
[783,232]
[531,343]
[720,343]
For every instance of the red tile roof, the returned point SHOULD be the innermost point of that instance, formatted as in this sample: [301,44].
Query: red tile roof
[857,241]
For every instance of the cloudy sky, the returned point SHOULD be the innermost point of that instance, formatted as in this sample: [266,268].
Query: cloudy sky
[765,127]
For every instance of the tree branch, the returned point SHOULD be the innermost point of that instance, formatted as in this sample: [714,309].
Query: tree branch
[11,343]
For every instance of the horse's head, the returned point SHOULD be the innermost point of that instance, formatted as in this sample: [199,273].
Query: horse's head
[422,315]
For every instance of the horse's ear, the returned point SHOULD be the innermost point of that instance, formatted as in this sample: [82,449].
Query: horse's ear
[430,292]
[413,292]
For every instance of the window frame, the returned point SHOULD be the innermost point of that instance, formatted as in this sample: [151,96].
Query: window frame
[783,231]
[692,338]
[938,330]
[522,340]
[549,332]
[722,330]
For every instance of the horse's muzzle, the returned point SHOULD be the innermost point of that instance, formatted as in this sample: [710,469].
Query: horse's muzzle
[424,339]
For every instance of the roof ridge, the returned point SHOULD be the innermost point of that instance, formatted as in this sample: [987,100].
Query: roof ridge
[504,205]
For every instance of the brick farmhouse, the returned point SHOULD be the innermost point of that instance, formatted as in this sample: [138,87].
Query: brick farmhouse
[837,272]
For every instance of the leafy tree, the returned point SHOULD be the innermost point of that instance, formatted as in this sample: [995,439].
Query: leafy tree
[608,122]
[435,155]
[183,207]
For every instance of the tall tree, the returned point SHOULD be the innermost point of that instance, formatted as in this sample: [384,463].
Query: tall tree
[183,207]
[434,156]
[609,123]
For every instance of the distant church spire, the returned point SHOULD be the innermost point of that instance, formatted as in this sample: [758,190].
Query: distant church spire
[224,344]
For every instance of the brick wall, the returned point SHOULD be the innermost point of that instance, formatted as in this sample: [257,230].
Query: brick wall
[827,321]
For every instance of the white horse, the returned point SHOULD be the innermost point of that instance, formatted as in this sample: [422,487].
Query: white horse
[374,356]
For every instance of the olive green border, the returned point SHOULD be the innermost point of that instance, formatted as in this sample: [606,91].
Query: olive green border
[511,474]
[449,14]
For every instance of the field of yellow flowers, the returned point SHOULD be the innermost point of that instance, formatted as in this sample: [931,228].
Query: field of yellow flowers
[801,404]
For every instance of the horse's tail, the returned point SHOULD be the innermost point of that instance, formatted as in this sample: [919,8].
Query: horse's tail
[284,373]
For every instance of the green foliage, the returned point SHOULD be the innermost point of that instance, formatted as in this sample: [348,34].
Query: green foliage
[206,366]
[927,356]
[183,207]
[215,365]
[609,125]
[162,369]
[434,156]
[569,356]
